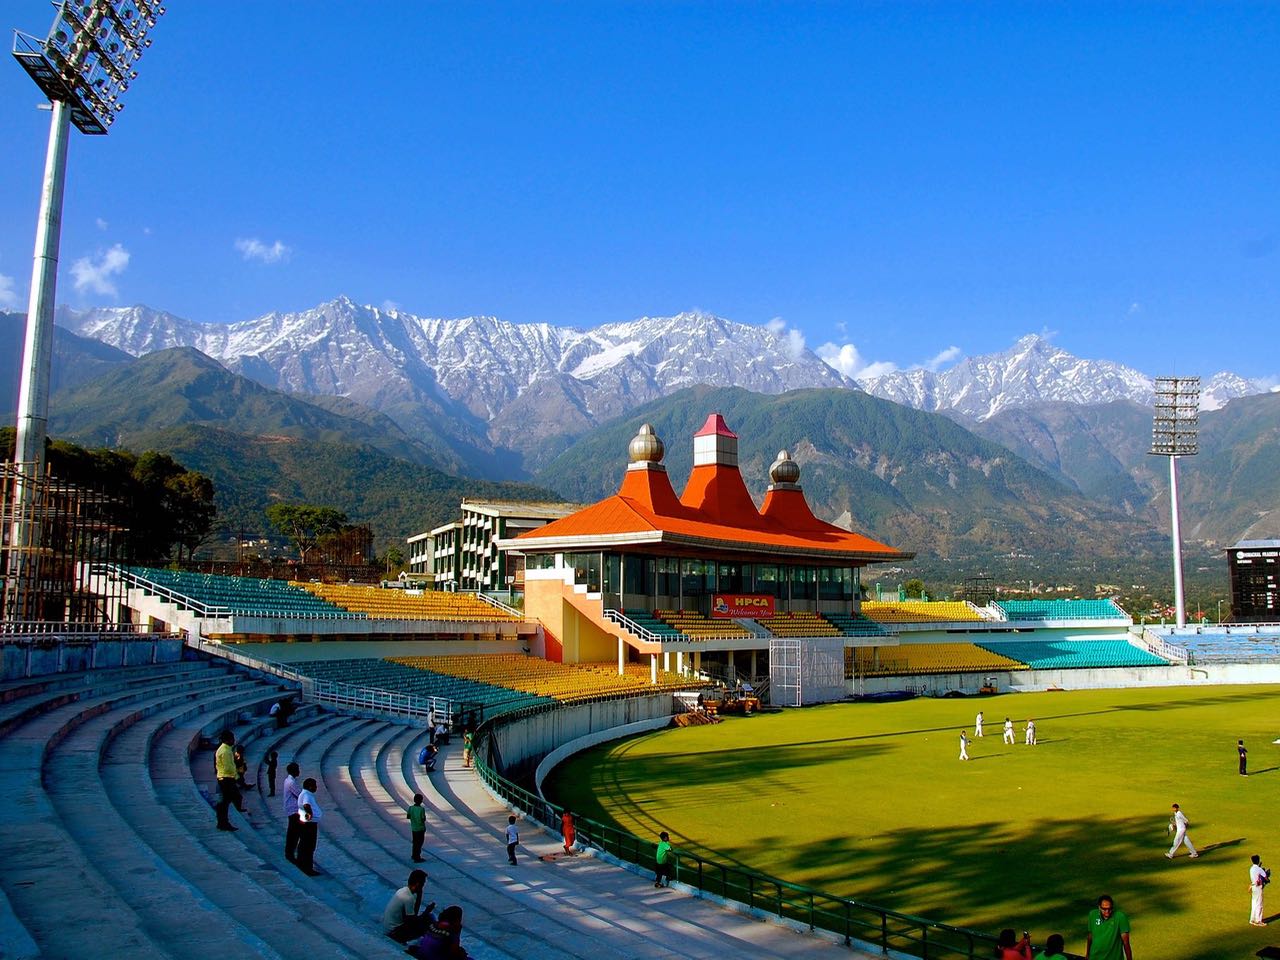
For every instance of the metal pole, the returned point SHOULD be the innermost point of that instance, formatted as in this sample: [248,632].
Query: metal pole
[33,396]
[1179,610]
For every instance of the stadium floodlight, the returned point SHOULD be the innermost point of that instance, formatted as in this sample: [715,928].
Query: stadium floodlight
[84,66]
[1174,430]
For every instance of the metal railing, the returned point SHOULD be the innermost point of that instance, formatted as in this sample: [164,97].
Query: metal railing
[1154,643]
[499,605]
[348,695]
[644,633]
[45,628]
[720,876]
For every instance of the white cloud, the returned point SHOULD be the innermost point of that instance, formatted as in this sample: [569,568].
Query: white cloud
[251,248]
[792,339]
[1135,308]
[390,306]
[8,295]
[100,223]
[95,276]
[845,358]
[945,357]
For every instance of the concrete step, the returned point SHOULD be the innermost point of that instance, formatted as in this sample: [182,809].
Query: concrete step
[281,902]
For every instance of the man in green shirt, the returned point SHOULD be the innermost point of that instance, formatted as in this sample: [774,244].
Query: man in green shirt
[417,817]
[1054,948]
[663,858]
[224,765]
[1108,937]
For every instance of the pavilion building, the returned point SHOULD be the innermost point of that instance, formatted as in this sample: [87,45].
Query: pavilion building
[608,580]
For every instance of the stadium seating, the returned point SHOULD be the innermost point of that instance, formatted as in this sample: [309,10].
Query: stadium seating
[247,596]
[698,626]
[410,675]
[919,611]
[922,658]
[564,682]
[800,623]
[1061,609]
[1216,645]
[654,624]
[1075,654]
[855,625]
[395,604]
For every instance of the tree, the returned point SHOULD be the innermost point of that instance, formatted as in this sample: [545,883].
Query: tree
[393,560]
[304,524]
[914,588]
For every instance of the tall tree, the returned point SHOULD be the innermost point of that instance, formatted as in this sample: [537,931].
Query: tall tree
[304,524]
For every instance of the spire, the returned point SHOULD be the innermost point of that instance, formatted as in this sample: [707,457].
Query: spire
[715,486]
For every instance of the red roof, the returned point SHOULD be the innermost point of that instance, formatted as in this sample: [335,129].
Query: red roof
[715,425]
[715,511]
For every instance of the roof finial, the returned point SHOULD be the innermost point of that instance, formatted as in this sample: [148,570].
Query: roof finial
[784,469]
[645,447]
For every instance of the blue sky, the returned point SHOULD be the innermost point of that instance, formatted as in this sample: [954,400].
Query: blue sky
[912,182]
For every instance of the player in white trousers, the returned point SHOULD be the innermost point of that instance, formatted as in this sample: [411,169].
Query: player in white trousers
[964,745]
[1008,731]
[977,725]
[1031,732]
[1179,823]
[1257,881]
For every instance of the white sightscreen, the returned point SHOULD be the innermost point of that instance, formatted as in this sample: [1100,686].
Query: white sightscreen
[805,671]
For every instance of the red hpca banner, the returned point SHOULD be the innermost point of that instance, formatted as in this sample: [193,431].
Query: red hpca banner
[749,605]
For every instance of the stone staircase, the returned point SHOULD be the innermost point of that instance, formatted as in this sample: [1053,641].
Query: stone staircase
[109,846]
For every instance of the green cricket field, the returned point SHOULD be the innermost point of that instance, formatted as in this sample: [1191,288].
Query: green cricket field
[870,801]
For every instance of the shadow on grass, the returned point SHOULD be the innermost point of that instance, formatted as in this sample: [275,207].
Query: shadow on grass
[1220,844]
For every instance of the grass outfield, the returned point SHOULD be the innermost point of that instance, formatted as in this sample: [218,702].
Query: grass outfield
[870,801]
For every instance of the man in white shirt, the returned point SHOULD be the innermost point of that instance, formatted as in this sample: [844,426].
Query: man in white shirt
[405,918]
[1031,732]
[977,725]
[309,816]
[1008,731]
[292,789]
[964,745]
[1257,881]
[513,838]
[1180,823]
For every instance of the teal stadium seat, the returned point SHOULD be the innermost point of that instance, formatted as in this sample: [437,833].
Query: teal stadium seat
[246,596]
[1061,610]
[1075,654]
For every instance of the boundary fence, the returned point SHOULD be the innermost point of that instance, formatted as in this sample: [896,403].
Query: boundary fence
[860,924]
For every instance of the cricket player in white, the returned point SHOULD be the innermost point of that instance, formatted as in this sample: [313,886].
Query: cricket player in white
[1257,880]
[1179,823]
[1008,731]
[964,745]
[977,725]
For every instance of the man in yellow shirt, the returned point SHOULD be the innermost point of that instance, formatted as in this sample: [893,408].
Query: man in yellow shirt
[224,765]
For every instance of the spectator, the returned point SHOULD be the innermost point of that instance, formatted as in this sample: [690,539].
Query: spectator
[431,726]
[662,859]
[513,839]
[273,760]
[568,829]
[1259,877]
[224,765]
[442,734]
[282,710]
[417,817]
[468,742]
[1054,948]
[441,941]
[427,757]
[1108,937]
[1009,947]
[242,769]
[404,917]
[293,832]
[309,816]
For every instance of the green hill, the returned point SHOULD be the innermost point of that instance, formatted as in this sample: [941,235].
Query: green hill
[395,497]
[912,479]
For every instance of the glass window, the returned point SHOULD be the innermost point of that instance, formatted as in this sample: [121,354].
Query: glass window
[803,583]
[730,579]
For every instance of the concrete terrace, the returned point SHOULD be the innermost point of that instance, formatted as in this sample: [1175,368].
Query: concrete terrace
[109,846]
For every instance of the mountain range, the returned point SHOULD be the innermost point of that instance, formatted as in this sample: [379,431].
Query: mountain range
[502,399]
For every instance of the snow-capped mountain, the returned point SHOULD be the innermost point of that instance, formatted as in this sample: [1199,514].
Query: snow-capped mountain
[520,383]
[1035,371]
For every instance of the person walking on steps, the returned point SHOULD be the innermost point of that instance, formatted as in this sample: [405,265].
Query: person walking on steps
[224,765]
[291,792]
[1178,823]
[309,816]
[417,817]
[662,858]
[273,761]
[513,839]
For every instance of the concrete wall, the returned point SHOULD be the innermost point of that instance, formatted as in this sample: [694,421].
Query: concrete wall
[54,654]
[1113,677]
[518,747]
[567,750]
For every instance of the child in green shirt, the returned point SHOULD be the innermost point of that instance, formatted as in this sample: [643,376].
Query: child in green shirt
[417,817]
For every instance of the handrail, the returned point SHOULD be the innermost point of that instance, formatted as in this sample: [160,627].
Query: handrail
[644,633]
[1157,645]
[44,628]
[852,919]
[336,692]
[499,605]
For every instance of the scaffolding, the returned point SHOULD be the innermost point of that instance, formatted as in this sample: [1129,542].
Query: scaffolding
[51,531]
[806,670]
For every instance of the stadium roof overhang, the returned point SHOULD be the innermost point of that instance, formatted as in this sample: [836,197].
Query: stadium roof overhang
[665,542]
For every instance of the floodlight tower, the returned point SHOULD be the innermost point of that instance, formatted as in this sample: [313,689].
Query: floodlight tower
[84,67]
[1173,435]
